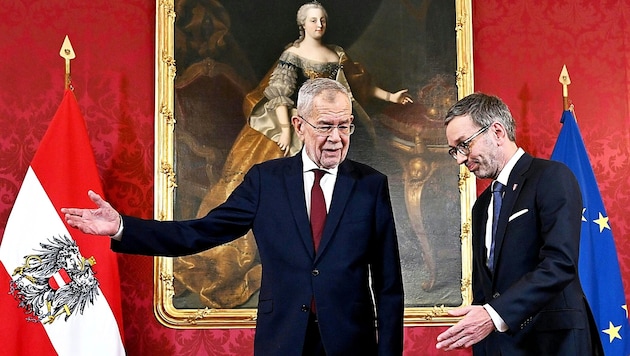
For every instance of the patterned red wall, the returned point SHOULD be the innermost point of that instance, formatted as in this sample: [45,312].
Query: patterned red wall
[519,48]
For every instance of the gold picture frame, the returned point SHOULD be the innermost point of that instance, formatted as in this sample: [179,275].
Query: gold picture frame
[167,158]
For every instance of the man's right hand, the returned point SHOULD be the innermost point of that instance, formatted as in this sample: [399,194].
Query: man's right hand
[104,220]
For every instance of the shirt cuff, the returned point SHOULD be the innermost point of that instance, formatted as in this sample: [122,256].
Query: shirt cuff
[118,235]
[498,322]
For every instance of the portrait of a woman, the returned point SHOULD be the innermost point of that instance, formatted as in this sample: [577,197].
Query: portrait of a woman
[397,129]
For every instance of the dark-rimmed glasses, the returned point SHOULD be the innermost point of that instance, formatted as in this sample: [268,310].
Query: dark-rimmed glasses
[463,147]
[326,130]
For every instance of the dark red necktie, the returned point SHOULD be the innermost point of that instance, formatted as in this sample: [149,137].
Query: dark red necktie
[318,208]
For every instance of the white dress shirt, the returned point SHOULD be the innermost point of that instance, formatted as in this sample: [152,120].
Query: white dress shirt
[503,177]
[327,182]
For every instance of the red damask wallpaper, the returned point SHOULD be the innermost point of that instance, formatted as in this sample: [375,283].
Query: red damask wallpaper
[519,50]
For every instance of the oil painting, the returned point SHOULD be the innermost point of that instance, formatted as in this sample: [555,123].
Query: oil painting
[213,62]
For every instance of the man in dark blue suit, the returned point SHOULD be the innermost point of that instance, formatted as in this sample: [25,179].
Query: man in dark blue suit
[527,297]
[343,297]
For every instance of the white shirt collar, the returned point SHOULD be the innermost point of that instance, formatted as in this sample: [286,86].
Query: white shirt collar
[505,172]
[308,165]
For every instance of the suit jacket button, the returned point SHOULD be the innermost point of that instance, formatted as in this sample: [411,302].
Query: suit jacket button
[304,308]
[315,272]
[496,295]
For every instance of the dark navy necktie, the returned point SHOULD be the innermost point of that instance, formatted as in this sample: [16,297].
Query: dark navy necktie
[497,199]
[318,208]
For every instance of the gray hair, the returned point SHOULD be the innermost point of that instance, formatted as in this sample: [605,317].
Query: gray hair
[301,18]
[484,109]
[314,87]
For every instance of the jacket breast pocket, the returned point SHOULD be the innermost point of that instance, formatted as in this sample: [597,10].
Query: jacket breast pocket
[520,217]
[357,218]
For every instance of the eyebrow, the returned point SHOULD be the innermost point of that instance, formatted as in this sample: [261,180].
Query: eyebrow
[459,140]
[328,121]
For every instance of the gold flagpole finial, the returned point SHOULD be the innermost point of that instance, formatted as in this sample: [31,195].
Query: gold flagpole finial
[67,53]
[565,81]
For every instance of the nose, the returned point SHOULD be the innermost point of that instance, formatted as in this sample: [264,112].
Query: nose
[319,24]
[334,136]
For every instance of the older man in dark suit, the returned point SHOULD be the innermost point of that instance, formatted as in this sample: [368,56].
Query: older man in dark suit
[331,285]
[527,297]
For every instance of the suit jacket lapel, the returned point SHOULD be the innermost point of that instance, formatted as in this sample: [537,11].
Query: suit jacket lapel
[512,190]
[294,184]
[479,245]
[343,187]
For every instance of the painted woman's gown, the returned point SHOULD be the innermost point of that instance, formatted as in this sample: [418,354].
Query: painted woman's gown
[229,275]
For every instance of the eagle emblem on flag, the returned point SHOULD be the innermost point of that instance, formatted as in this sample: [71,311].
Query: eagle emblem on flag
[54,281]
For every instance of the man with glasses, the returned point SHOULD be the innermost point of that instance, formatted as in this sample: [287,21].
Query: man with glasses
[527,297]
[331,282]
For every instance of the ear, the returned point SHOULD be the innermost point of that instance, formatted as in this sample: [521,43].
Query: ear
[499,133]
[298,126]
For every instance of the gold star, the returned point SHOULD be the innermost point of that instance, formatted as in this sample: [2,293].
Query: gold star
[602,222]
[583,211]
[612,331]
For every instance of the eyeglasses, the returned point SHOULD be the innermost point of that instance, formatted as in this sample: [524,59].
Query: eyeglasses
[464,147]
[326,130]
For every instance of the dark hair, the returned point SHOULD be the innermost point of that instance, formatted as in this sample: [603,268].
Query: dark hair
[484,109]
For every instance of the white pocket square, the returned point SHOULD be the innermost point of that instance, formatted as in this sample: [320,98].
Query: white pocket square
[517,214]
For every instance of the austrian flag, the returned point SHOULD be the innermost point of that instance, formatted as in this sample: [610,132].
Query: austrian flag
[59,288]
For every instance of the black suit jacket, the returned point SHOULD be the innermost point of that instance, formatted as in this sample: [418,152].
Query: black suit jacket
[535,287]
[359,241]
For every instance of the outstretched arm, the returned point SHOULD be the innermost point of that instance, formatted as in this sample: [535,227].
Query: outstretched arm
[104,220]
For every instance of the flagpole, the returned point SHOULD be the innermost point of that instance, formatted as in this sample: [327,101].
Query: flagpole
[68,54]
[565,81]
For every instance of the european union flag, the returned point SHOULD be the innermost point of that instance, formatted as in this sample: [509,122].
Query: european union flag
[598,265]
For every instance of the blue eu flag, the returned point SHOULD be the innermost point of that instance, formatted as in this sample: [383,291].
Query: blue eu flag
[598,265]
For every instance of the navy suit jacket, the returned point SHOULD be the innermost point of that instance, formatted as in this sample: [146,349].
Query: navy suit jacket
[535,286]
[359,241]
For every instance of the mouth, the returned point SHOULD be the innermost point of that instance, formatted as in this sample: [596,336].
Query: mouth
[331,152]
[332,149]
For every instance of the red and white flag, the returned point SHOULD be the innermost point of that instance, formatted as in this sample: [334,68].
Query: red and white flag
[59,288]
